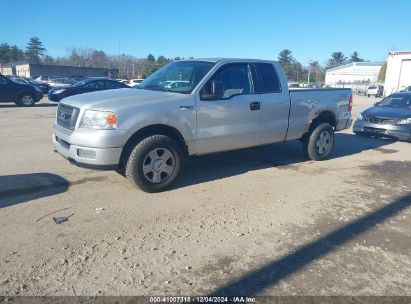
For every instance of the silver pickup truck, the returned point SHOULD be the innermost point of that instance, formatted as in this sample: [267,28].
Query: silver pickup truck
[191,108]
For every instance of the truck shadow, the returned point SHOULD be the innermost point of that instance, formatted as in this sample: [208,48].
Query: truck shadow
[37,105]
[223,165]
[20,188]
[273,272]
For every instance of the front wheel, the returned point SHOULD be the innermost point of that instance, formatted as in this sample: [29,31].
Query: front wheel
[26,100]
[154,163]
[319,143]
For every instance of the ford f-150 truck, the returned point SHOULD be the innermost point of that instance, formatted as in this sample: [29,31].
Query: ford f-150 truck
[219,105]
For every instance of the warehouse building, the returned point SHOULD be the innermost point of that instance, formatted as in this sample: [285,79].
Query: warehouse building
[353,73]
[398,75]
[10,68]
[30,70]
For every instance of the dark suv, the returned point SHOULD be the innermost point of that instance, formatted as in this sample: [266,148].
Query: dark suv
[21,94]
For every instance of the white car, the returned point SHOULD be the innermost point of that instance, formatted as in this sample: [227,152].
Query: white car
[375,90]
[60,82]
[135,82]
[176,84]
[125,81]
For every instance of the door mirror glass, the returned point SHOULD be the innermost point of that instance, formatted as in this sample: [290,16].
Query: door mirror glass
[213,90]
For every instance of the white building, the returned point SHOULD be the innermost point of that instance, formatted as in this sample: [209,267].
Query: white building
[398,74]
[353,73]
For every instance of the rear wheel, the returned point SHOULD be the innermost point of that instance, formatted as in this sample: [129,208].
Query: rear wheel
[26,100]
[319,143]
[154,163]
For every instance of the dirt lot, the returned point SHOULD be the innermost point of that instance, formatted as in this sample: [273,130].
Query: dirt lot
[262,221]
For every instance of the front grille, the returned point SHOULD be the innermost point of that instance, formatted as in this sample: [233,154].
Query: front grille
[374,130]
[67,116]
[380,121]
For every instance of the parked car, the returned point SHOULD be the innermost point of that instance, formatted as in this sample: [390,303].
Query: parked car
[125,81]
[135,82]
[176,84]
[18,79]
[390,117]
[60,82]
[19,93]
[44,87]
[44,79]
[85,86]
[375,90]
[311,86]
[229,104]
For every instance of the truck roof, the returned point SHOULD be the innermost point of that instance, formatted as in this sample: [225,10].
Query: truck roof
[215,60]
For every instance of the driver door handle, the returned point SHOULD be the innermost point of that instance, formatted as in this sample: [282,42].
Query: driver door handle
[254,106]
[186,107]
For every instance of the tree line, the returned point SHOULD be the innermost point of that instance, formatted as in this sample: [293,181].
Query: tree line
[313,72]
[131,67]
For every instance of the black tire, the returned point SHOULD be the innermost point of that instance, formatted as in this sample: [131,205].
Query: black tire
[139,157]
[311,141]
[26,100]
[368,95]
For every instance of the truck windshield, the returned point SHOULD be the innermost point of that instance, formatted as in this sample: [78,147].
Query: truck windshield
[180,77]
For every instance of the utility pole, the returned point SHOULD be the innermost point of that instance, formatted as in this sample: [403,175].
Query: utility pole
[309,71]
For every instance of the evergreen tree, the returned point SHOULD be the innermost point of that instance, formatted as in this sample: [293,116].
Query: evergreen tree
[34,50]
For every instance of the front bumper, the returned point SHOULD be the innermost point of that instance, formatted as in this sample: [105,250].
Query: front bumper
[53,97]
[401,132]
[38,96]
[85,156]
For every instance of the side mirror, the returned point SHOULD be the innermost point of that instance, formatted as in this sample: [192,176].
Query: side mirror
[213,90]
[376,103]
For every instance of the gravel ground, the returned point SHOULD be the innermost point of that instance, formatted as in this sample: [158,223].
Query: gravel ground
[261,221]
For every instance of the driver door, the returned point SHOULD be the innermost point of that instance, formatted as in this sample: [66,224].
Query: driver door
[228,111]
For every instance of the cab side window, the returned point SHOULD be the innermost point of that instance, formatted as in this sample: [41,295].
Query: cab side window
[269,81]
[230,80]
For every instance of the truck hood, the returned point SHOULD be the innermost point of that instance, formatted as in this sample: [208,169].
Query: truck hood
[113,100]
[387,112]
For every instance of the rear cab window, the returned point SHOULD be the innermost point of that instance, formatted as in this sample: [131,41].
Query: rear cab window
[268,81]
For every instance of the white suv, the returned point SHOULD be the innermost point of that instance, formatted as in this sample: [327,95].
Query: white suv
[375,90]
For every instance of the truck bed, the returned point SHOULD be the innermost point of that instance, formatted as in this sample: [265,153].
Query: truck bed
[306,104]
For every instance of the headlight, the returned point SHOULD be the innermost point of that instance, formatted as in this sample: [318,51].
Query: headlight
[37,89]
[359,116]
[406,121]
[58,91]
[93,119]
